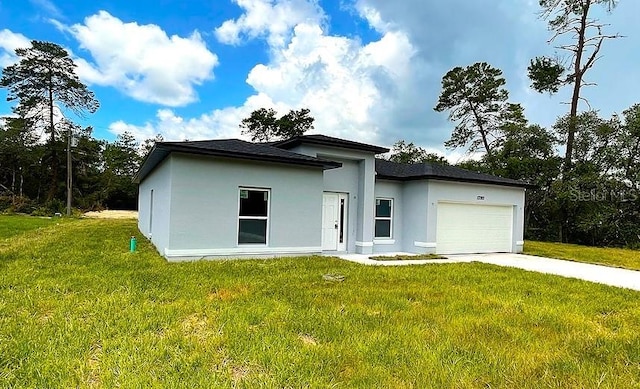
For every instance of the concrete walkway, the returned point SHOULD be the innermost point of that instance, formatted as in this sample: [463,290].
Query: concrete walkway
[622,278]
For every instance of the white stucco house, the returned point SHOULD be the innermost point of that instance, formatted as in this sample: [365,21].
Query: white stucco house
[317,194]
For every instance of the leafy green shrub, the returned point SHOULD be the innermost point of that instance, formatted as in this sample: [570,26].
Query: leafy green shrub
[41,211]
[49,208]
[55,206]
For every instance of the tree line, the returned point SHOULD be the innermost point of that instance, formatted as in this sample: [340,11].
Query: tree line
[101,172]
[48,163]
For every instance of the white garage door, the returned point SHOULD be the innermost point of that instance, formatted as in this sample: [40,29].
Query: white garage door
[472,228]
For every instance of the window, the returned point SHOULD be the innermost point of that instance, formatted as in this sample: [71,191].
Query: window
[384,215]
[341,233]
[253,216]
[151,212]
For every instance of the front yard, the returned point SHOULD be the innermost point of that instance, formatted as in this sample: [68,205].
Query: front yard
[78,310]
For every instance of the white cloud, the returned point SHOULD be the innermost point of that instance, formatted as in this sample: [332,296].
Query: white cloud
[353,89]
[9,42]
[220,123]
[48,7]
[372,16]
[175,128]
[348,86]
[142,60]
[271,19]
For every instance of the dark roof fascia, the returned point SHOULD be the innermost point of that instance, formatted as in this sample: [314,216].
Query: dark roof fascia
[390,178]
[155,156]
[162,150]
[255,157]
[338,143]
[455,179]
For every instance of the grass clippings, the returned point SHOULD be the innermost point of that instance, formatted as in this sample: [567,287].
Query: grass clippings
[416,257]
[333,277]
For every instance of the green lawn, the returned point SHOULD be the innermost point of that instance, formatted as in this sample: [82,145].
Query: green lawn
[11,225]
[78,310]
[625,258]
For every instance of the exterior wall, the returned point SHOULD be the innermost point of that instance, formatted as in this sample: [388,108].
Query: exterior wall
[196,200]
[468,193]
[414,211]
[205,201]
[345,180]
[357,178]
[156,226]
[391,190]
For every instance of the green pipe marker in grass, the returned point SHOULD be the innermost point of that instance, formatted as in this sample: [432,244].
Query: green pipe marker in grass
[133,244]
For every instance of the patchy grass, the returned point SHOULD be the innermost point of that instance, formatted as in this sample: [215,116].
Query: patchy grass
[78,310]
[416,257]
[625,258]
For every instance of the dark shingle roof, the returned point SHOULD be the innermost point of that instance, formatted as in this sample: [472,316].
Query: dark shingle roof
[229,148]
[276,152]
[417,171]
[324,140]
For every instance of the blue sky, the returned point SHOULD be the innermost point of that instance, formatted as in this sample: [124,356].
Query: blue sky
[369,70]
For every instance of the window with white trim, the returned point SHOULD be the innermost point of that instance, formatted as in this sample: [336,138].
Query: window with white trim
[253,216]
[384,218]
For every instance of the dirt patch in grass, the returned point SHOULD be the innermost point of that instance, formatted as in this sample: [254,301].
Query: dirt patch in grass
[112,214]
[238,373]
[406,257]
[225,294]
[93,366]
[308,340]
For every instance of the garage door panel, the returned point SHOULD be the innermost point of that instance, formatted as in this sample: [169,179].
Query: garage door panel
[472,228]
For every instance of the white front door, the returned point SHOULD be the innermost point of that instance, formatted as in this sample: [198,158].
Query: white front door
[334,208]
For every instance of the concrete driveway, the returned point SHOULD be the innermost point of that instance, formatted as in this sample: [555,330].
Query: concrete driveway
[622,278]
[613,276]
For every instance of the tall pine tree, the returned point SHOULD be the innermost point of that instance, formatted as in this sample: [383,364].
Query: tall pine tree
[42,82]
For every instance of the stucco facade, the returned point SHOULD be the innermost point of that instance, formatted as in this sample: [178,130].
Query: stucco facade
[356,178]
[154,205]
[199,207]
[316,197]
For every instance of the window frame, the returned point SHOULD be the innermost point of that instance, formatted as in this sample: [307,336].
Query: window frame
[239,217]
[389,218]
[151,212]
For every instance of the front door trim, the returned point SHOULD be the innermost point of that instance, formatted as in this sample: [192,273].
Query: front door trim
[336,218]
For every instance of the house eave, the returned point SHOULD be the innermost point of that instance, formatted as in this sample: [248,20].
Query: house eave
[161,151]
[523,185]
[293,142]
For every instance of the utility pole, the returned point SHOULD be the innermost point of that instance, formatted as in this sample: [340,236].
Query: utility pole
[69,173]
